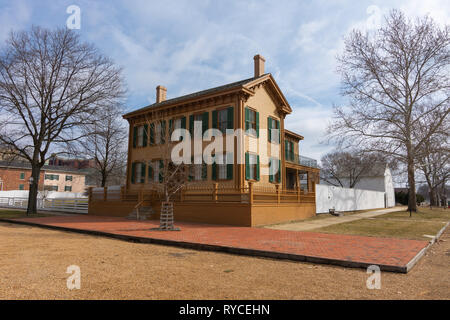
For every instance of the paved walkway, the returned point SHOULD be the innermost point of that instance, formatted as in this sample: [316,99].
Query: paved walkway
[325,222]
[346,250]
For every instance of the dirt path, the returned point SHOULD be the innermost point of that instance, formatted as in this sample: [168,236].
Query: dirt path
[325,222]
[33,265]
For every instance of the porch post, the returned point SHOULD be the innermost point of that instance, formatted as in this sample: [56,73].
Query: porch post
[277,186]
[250,192]
[215,191]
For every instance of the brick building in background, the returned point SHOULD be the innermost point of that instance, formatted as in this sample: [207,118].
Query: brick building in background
[16,175]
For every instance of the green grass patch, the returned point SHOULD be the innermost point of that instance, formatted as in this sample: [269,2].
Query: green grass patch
[13,214]
[424,213]
[389,228]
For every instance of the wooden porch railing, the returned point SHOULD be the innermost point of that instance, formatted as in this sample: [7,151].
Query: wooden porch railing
[214,193]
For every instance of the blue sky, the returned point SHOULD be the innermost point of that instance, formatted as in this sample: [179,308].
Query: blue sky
[193,45]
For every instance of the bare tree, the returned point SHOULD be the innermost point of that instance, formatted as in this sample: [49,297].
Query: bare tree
[434,163]
[345,169]
[50,84]
[397,79]
[166,177]
[105,142]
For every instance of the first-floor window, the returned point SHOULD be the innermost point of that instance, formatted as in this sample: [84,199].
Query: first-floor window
[223,166]
[303,177]
[138,172]
[21,187]
[68,189]
[251,166]
[274,170]
[156,171]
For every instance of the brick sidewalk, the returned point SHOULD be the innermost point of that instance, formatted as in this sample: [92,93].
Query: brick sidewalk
[390,254]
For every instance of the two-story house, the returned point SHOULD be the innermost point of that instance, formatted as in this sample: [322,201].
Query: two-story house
[260,179]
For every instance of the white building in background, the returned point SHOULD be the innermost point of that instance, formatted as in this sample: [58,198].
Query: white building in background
[379,178]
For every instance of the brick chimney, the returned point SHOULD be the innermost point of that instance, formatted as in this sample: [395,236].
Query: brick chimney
[259,65]
[161,94]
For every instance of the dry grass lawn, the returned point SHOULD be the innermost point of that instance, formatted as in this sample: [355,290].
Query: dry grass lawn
[33,263]
[427,222]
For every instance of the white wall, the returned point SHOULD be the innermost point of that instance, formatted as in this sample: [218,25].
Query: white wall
[345,199]
[49,194]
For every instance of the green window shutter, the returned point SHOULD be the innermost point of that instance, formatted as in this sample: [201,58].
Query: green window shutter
[152,133]
[214,170]
[230,118]
[257,168]
[286,149]
[205,122]
[247,124]
[135,136]
[271,170]
[279,131]
[257,124]
[183,125]
[150,172]
[247,166]
[144,140]
[143,167]
[214,119]
[292,151]
[170,127]
[269,129]
[191,125]
[133,169]
[163,131]
[279,170]
[229,171]
[204,171]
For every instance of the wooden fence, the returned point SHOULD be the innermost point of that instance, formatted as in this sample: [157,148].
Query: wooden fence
[209,194]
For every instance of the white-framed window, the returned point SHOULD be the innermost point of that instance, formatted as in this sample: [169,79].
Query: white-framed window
[274,127]
[253,166]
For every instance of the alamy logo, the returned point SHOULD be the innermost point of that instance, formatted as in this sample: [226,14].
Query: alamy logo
[74,20]
[221,147]
[374,280]
[74,280]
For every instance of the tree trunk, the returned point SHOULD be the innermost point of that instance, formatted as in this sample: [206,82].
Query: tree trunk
[103,184]
[412,204]
[33,192]
[433,196]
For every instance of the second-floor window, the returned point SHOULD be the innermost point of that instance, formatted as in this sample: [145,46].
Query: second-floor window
[140,136]
[251,121]
[273,127]
[289,150]
[69,178]
[51,177]
[223,119]
[199,117]
[22,176]
[178,123]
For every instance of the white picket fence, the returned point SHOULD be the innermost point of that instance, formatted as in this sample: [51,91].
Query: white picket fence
[74,205]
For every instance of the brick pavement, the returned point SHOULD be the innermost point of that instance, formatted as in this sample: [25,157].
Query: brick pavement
[390,254]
